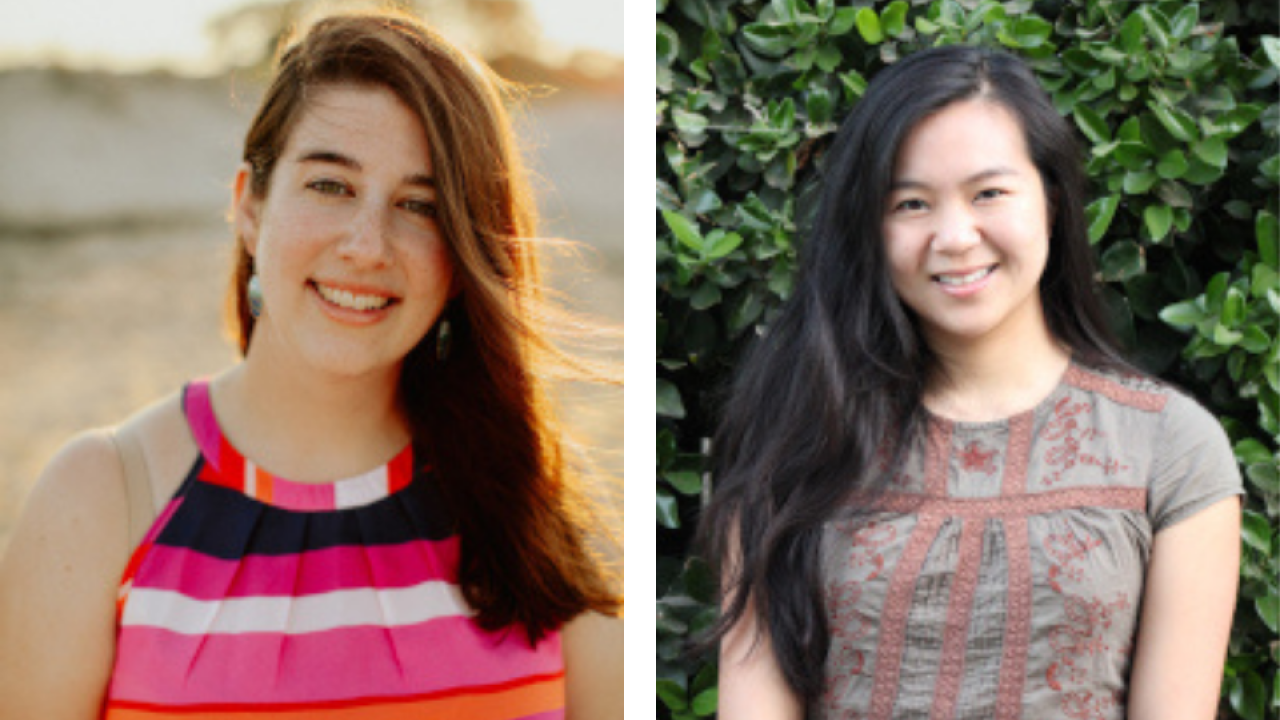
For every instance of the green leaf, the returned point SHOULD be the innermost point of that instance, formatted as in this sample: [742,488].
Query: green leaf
[1157,26]
[1158,219]
[1184,22]
[706,702]
[1250,452]
[1122,261]
[684,230]
[1248,696]
[1137,183]
[1271,46]
[669,403]
[686,482]
[1225,337]
[1174,194]
[1099,214]
[1269,610]
[869,26]
[668,510]
[720,244]
[1267,231]
[1092,124]
[1179,124]
[672,695]
[1265,476]
[1172,165]
[1256,531]
[1233,308]
[707,295]
[1183,315]
[894,18]
[1212,150]
[1131,34]
[843,22]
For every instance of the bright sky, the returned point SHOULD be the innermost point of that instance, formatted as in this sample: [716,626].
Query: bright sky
[133,34]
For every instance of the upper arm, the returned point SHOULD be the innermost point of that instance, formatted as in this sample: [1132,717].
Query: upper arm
[58,583]
[1187,605]
[751,682]
[593,667]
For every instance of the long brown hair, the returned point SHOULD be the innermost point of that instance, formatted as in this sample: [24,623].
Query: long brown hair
[481,418]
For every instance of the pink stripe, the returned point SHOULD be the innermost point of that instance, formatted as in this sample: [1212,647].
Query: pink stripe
[1119,498]
[158,666]
[1013,667]
[307,573]
[1149,401]
[204,426]
[959,608]
[301,496]
[893,621]
[1017,456]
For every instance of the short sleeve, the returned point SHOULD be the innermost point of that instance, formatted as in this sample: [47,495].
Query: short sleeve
[1194,466]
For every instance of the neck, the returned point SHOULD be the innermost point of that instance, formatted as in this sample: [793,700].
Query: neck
[997,377]
[307,425]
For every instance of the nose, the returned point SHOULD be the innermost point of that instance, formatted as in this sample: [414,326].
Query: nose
[956,231]
[367,240]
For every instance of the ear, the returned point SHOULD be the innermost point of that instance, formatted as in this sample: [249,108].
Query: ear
[246,209]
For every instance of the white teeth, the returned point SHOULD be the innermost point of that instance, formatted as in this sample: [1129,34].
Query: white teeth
[974,276]
[351,300]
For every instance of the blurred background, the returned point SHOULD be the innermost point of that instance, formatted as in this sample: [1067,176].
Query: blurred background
[120,130]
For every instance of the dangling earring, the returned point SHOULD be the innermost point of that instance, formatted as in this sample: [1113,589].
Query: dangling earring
[444,339]
[254,294]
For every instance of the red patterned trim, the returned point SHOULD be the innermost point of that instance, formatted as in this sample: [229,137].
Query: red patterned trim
[1016,506]
[884,692]
[955,637]
[1149,401]
[1013,667]
[935,459]
[1018,456]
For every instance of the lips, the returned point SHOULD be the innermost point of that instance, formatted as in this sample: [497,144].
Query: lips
[351,298]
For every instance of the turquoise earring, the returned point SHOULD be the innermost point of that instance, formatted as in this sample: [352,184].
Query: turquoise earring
[254,295]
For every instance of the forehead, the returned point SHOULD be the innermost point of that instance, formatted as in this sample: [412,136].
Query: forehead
[963,137]
[366,123]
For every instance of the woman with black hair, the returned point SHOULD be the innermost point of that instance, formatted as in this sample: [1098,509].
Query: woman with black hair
[941,491]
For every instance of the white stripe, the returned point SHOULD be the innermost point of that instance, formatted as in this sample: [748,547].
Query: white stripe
[179,613]
[250,479]
[362,490]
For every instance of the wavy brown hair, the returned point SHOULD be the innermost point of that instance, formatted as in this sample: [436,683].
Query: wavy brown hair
[482,418]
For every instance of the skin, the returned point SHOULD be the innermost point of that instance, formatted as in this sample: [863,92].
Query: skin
[967,197]
[350,205]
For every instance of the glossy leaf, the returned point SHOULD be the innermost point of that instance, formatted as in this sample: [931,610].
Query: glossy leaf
[1100,213]
[869,26]
[1158,219]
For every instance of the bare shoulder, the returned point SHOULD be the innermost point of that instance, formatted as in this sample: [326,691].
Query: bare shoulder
[168,448]
[593,666]
[58,584]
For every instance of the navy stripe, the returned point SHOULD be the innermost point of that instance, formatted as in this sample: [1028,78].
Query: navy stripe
[226,524]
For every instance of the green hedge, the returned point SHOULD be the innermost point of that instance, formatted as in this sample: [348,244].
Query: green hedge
[1176,103]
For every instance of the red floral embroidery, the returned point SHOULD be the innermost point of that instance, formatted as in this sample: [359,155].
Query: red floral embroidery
[1066,549]
[1067,436]
[865,556]
[850,627]
[1083,634]
[974,459]
[884,458]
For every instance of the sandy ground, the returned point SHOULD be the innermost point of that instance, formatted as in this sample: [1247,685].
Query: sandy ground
[113,252]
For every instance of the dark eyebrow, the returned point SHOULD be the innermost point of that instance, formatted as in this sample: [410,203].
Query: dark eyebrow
[335,158]
[908,183]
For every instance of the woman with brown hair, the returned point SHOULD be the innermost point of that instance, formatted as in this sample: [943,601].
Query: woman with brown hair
[371,515]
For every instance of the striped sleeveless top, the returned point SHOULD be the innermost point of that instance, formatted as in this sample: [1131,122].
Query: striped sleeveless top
[255,597]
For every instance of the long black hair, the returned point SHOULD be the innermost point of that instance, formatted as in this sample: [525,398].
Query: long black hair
[838,378]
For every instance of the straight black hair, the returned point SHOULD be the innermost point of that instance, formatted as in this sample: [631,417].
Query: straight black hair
[836,382]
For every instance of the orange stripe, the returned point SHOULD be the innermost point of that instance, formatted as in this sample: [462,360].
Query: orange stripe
[504,704]
[266,488]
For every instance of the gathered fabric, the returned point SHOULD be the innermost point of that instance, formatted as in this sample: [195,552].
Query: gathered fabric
[1002,574]
[253,596]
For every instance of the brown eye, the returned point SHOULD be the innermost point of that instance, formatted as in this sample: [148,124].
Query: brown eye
[328,187]
[425,208]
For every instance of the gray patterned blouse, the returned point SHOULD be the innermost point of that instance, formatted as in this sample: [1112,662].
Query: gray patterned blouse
[1003,576]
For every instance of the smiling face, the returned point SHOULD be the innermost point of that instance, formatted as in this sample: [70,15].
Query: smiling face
[353,265]
[966,228]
